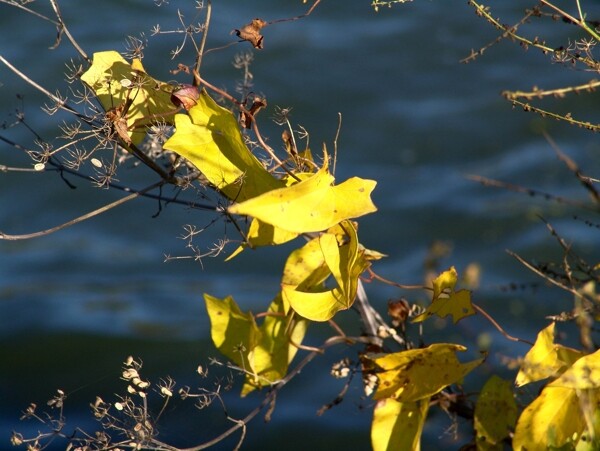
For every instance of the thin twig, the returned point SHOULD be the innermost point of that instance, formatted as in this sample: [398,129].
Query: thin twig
[528,265]
[373,275]
[5,236]
[200,53]
[62,27]
[572,166]
[497,326]
[273,393]
[59,102]
[530,192]
[290,19]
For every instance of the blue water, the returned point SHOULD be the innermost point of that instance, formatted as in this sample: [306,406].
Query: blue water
[74,304]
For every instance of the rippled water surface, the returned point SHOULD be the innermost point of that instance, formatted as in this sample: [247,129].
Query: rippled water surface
[74,304]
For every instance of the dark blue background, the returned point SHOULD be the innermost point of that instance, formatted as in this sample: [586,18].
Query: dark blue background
[74,304]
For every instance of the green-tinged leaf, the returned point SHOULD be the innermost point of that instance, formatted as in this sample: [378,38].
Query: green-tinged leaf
[446,301]
[553,420]
[235,334]
[116,82]
[545,359]
[280,335]
[416,374]
[311,205]
[398,425]
[210,139]
[309,267]
[264,352]
[495,414]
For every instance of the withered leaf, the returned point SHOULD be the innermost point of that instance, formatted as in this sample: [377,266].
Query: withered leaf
[246,117]
[185,96]
[251,33]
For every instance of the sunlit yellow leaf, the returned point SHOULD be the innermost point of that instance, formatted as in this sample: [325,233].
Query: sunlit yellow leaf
[420,373]
[445,281]
[446,301]
[545,359]
[210,139]
[264,352]
[309,267]
[280,335]
[553,420]
[583,374]
[261,234]
[116,82]
[458,304]
[235,334]
[311,205]
[495,414]
[305,267]
[398,425]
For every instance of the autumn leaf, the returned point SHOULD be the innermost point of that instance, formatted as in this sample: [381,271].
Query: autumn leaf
[495,414]
[398,425]
[552,421]
[446,301]
[581,375]
[210,138]
[264,352]
[416,374]
[251,33]
[234,333]
[545,359]
[119,85]
[261,234]
[307,269]
[280,335]
[311,205]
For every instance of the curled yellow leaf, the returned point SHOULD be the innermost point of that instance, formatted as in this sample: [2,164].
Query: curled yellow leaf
[307,269]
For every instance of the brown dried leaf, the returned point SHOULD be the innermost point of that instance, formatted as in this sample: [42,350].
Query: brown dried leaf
[251,33]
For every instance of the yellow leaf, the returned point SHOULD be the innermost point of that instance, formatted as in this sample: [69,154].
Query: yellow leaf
[264,352]
[116,82]
[458,304]
[445,281]
[274,350]
[210,139]
[495,414]
[398,425]
[446,301]
[553,420]
[545,359]
[307,269]
[583,374]
[420,373]
[311,205]
[261,234]
[235,334]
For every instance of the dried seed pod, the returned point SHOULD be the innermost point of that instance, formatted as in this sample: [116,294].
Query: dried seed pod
[186,96]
